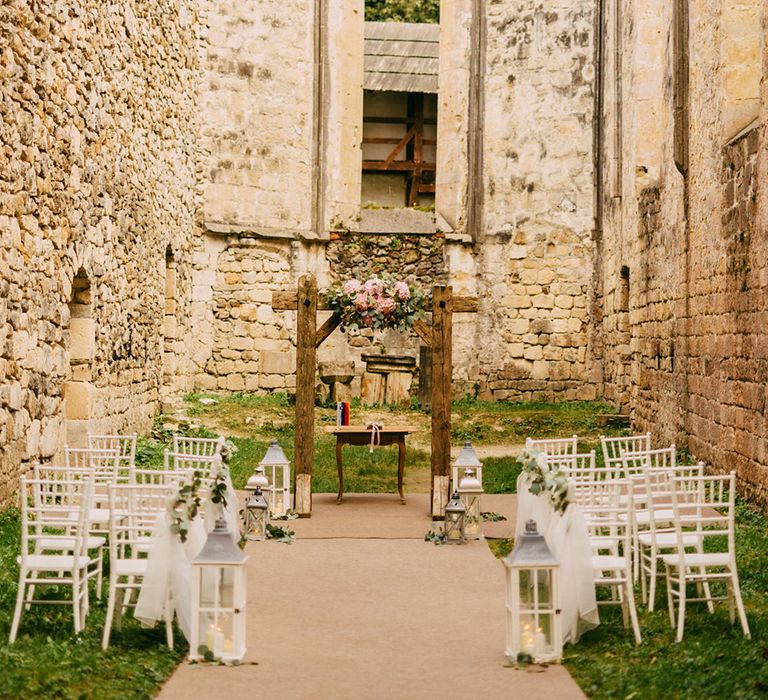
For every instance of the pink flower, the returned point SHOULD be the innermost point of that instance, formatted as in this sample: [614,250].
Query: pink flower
[361,302]
[368,321]
[385,306]
[374,286]
[352,286]
[402,291]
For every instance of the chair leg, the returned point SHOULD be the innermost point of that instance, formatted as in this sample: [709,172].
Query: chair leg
[704,585]
[100,574]
[630,596]
[19,606]
[85,607]
[670,598]
[643,580]
[681,605]
[31,589]
[76,609]
[119,595]
[652,566]
[110,613]
[731,605]
[740,604]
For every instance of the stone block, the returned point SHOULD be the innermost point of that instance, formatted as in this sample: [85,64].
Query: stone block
[81,339]
[278,362]
[79,397]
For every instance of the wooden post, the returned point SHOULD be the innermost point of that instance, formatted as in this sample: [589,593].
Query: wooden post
[425,377]
[442,372]
[306,325]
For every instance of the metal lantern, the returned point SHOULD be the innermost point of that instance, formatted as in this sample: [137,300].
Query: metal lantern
[467,459]
[256,516]
[455,520]
[279,471]
[218,598]
[471,491]
[533,618]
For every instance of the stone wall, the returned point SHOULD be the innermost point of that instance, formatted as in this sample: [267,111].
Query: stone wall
[515,207]
[682,244]
[533,248]
[97,184]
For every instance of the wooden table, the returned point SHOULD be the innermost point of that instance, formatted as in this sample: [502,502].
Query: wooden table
[361,435]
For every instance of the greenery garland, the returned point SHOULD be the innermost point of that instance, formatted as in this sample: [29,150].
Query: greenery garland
[185,504]
[542,478]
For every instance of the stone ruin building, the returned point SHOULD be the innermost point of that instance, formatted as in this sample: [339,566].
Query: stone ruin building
[595,172]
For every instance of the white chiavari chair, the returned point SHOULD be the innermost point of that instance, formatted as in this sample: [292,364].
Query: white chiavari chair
[655,534]
[208,466]
[96,520]
[135,510]
[46,517]
[554,446]
[126,451]
[610,538]
[712,519]
[614,446]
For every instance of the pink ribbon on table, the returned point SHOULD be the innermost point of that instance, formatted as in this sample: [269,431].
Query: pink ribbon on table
[375,429]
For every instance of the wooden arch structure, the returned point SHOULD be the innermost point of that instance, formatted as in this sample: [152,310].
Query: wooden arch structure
[437,336]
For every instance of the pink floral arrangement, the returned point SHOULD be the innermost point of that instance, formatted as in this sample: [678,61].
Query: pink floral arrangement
[378,302]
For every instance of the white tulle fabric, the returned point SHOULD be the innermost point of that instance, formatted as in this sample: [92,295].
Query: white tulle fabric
[169,569]
[568,539]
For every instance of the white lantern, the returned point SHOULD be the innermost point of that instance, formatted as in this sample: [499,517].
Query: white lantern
[256,516]
[257,480]
[470,491]
[455,513]
[218,598]
[278,469]
[467,459]
[533,617]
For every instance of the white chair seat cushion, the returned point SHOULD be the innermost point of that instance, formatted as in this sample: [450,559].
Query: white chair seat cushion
[68,543]
[696,560]
[606,562]
[643,517]
[53,562]
[130,567]
[666,540]
[98,516]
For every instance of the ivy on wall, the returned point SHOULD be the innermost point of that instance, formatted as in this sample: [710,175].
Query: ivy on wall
[402,11]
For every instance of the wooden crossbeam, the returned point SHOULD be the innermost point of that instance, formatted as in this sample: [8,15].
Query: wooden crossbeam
[330,325]
[399,165]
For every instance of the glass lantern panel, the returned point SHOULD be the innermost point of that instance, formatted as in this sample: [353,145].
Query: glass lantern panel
[209,587]
[227,583]
[527,634]
[453,526]
[544,586]
[543,639]
[526,588]
[473,515]
[209,633]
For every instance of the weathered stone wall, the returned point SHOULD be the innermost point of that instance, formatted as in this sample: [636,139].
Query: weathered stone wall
[97,177]
[686,357]
[514,187]
[534,248]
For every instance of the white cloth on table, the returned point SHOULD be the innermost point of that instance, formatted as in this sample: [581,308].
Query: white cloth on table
[568,538]
[169,569]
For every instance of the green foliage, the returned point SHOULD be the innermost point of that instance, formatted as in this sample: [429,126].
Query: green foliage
[402,11]
[49,661]
[435,537]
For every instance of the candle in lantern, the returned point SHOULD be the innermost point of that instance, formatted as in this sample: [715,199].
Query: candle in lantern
[527,641]
[541,641]
[210,637]
[228,645]
[218,642]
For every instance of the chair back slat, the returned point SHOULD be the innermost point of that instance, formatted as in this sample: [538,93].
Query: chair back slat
[104,463]
[614,446]
[208,465]
[637,463]
[554,446]
[197,447]
[125,446]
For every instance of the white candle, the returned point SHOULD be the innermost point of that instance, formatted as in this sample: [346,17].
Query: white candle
[541,641]
[210,637]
